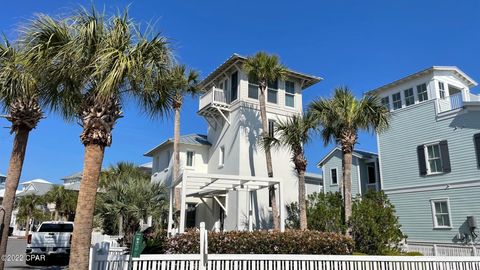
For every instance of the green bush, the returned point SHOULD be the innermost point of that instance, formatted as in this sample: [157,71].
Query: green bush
[262,242]
[325,212]
[155,242]
[374,225]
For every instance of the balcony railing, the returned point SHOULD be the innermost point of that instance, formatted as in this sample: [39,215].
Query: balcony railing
[456,101]
[213,96]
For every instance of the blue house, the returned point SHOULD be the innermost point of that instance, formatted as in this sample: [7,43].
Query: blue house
[365,171]
[430,157]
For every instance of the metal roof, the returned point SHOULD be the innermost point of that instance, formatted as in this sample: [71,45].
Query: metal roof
[73,176]
[415,75]
[191,139]
[357,153]
[309,79]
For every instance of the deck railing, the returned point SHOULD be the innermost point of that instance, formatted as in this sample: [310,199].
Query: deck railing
[455,101]
[214,95]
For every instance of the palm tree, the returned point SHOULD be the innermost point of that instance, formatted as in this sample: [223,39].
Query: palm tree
[19,97]
[294,133]
[264,69]
[131,197]
[94,63]
[28,208]
[342,117]
[182,83]
[64,200]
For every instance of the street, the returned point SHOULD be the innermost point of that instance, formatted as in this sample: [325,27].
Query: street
[16,257]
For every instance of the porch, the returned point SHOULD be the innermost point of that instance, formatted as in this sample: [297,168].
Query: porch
[216,187]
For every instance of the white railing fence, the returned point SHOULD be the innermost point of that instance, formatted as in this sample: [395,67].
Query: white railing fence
[451,102]
[214,95]
[429,249]
[204,261]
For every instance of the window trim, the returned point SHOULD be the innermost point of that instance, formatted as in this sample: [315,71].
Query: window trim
[271,131]
[441,89]
[434,214]
[289,94]
[248,90]
[186,158]
[387,104]
[427,159]
[406,98]
[421,93]
[336,176]
[269,89]
[400,100]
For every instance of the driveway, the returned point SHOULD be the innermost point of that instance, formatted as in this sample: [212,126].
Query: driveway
[16,257]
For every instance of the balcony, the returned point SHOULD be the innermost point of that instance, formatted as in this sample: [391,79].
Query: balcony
[214,103]
[457,101]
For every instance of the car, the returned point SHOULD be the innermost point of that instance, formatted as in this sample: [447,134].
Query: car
[51,239]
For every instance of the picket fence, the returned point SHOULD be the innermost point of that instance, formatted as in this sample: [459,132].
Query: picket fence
[284,262]
[429,249]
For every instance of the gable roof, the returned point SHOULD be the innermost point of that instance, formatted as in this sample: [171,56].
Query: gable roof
[2,175]
[309,80]
[469,81]
[190,139]
[356,153]
[73,176]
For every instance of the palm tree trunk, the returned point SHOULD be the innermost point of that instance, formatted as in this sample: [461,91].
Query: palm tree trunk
[27,228]
[268,157]
[120,225]
[13,176]
[347,184]
[56,215]
[301,200]
[176,154]
[82,231]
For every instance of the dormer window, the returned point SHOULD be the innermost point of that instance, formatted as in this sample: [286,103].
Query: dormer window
[441,87]
[422,92]
[409,97]
[272,92]
[397,101]
[289,94]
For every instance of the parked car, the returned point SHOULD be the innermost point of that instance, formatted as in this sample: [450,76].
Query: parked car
[51,239]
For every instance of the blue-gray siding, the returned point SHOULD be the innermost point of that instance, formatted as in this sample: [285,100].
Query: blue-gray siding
[415,212]
[418,125]
[335,161]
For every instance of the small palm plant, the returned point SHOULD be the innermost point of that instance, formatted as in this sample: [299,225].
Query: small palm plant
[30,206]
[264,69]
[94,63]
[183,83]
[341,118]
[294,133]
[20,98]
[65,201]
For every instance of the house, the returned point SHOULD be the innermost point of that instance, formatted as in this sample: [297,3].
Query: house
[430,156]
[3,178]
[223,174]
[365,171]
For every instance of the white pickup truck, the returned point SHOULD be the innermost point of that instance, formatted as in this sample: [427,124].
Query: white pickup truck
[52,238]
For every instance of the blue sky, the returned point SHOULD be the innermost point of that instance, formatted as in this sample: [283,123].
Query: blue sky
[362,44]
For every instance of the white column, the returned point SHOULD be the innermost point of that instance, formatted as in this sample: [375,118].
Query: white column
[281,206]
[203,248]
[170,211]
[183,204]
[250,210]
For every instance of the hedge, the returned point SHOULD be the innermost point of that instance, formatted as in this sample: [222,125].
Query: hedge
[257,242]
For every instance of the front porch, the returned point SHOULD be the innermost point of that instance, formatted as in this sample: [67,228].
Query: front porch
[216,187]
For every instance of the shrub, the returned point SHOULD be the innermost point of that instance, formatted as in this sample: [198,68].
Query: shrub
[262,242]
[293,216]
[325,212]
[375,227]
[155,241]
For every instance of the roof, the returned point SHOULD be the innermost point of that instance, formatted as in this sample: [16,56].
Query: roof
[309,79]
[313,175]
[73,176]
[41,181]
[2,175]
[357,153]
[147,165]
[191,139]
[426,71]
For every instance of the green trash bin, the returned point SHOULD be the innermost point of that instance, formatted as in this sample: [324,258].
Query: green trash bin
[138,245]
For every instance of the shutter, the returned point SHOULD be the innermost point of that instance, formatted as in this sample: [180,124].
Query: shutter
[445,156]
[421,160]
[476,140]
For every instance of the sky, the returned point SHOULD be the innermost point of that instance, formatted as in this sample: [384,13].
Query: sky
[359,44]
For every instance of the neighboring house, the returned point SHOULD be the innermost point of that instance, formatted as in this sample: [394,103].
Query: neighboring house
[228,165]
[313,183]
[365,171]
[430,155]
[3,178]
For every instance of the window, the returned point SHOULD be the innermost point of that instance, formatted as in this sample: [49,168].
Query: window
[191,213]
[252,89]
[168,157]
[397,101]
[289,94]
[221,157]
[386,102]
[190,158]
[409,97]
[371,174]
[234,86]
[441,213]
[334,176]
[441,88]
[434,159]
[271,128]
[476,142]
[422,92]
[272,92]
